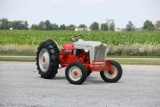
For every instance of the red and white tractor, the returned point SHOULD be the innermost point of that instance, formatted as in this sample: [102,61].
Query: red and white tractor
[80,59]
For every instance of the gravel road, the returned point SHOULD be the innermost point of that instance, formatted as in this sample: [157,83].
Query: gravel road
[22,86]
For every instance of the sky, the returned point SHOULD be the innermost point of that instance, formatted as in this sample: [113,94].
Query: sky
[81,11]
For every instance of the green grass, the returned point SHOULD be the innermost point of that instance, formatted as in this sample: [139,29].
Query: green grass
[18,50]
[139,62]
[18,59]
[17,54]
[115,56]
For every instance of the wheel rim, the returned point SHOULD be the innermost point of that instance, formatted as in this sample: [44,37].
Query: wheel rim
[44,60]
[109,75]
[75,73]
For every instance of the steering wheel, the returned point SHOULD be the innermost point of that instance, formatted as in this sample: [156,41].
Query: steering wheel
[76,38]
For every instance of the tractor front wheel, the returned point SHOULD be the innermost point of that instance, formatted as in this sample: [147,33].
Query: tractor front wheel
[76,73]
[113,74]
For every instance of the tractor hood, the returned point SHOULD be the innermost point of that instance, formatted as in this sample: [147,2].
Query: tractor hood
[97,50]
[81,44]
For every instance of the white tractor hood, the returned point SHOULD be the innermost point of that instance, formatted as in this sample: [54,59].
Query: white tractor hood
[92,47]
[81,44]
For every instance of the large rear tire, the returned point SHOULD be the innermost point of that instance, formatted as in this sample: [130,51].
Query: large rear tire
[112,75]
[76,73]
[47,59]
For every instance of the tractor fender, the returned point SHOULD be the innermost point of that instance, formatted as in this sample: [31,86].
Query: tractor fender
[68,46]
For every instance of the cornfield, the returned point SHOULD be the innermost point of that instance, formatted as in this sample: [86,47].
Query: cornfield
[32,37]
[120,43]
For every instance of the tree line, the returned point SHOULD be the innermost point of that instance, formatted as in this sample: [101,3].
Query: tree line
[109,25]
[20,25]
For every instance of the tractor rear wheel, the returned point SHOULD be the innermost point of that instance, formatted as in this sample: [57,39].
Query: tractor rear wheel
[113,74]
[47,59]
[76,73]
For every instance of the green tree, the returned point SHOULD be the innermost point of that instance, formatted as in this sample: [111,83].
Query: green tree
[111,24]
[23,25]
[157,25]
[112,27]
[4,23]
[82,26]
[104,26]
[94,26]
[130,26]
[48,25]
[20,25]
[55,26]
[62,27]
[34,26]
[26,25]
[41,26]
[148,26]
[71,27]
[17,25]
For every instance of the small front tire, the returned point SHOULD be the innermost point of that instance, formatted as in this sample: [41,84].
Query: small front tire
[76,73]
[112,76]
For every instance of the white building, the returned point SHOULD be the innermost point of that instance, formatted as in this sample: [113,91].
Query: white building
[118,30]
[82,29]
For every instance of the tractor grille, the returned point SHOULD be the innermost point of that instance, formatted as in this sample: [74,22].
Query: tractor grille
[100,53]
